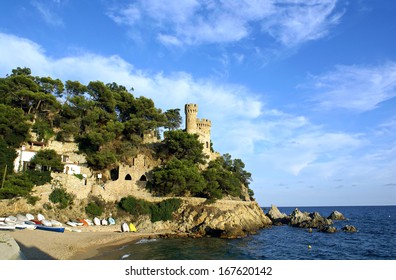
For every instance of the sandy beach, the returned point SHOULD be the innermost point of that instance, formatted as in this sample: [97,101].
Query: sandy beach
[45,245]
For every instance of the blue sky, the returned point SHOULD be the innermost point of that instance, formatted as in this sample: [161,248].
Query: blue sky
[303,91]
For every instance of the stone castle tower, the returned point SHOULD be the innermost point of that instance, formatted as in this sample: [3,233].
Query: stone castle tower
[201,127]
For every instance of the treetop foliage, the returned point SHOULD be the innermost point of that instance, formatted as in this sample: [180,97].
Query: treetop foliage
[108,123]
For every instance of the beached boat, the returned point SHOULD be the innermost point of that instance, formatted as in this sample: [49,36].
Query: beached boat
[46,223]
[11,219]
[4,226]
[84,222]
[40,217]
[89,222]
[21,218]
[96,221]
[124,227]
[70,223]
[55,229]
[111,221]
[132,227]
[29,217]
[30,225]
[104,222]
[55,223]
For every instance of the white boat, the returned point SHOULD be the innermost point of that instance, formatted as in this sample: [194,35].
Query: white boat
[29,217]
[21,218]
[111,221]
[96,221]
[46,223]
[56,223]
[72,224]
[40,217]
[104,222]
[2,219]
[4,226]
[11,219]
[124,227]
[30,225]
[89,222]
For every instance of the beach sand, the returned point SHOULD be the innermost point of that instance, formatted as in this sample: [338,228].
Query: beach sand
[46,245]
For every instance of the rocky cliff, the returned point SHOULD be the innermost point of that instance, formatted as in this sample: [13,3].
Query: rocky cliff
[225,219]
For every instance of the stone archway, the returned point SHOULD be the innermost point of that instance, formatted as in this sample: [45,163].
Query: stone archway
[128,177]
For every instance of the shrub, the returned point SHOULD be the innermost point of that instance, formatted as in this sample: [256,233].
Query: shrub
[38,178]
[79,176]
[157,211]
[135,206]
[94,209]
[61,197]
[163,211]
[32,199]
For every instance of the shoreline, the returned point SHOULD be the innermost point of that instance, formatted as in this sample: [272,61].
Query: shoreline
[45,245]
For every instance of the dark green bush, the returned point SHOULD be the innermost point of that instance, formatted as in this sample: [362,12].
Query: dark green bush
[157,211]
[94,209]
[38,178]
[163,211]
[135,206]
[61,197]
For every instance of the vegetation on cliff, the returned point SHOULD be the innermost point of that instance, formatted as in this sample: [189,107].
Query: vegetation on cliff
[108,123]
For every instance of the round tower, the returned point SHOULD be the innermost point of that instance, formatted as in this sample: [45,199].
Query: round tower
[191,111]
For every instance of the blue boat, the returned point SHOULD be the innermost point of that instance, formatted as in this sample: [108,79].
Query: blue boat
[56,229]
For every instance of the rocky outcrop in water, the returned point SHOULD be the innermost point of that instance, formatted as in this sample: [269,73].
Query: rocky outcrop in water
[276,217]
[308,220]
[349,228]
[335,215]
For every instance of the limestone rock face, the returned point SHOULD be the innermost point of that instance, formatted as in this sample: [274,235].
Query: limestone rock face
[308,220]
[226,219]
[335,215]
[276,216]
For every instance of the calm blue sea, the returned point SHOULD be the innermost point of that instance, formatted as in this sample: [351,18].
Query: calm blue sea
[375,240]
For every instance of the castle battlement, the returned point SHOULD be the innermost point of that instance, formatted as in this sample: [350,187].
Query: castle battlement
[204,123]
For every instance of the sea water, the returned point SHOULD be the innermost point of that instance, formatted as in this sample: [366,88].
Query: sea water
[375,240]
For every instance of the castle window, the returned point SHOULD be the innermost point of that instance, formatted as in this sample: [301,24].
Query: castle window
[143,178]
[207,145]
[128,177]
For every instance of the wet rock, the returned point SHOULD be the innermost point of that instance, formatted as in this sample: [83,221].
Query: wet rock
[349,228]
[297,218]
[327,229]
[277,217]
[308,220]
[335,215]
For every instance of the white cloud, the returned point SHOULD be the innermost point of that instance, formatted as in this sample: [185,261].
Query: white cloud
[360,88]
[126,16]
[48,12]
[201,22]
[272,143]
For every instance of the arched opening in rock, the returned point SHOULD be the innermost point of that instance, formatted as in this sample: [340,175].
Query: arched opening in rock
[143,178]
[128,177]
[115,173]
